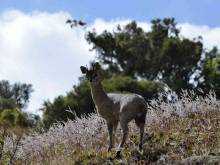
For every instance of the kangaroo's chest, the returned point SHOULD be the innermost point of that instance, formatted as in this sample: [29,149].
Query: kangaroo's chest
[108,111]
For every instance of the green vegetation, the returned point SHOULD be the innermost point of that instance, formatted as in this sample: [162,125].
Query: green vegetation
[211,74]
[14,95]
[158,54]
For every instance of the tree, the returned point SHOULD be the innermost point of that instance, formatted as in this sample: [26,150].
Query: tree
[211,73]
[56,111]
[13,117]
[14,95]
[158,54]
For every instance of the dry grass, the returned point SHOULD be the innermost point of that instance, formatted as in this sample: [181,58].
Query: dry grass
[189,127]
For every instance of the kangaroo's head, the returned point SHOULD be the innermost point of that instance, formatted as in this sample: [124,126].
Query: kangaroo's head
[92,74]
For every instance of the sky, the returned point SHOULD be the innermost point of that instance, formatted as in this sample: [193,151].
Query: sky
[37,46]
[200,12]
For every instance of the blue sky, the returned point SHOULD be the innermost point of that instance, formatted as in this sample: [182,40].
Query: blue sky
[35,41]
[200,12]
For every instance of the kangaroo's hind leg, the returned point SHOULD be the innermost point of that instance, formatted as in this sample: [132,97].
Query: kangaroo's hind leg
[125,134]
[140,122]
[112,127]
[124,127]
[111,136]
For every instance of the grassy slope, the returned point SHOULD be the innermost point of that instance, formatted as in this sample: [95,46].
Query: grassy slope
[175,132]
[175,139]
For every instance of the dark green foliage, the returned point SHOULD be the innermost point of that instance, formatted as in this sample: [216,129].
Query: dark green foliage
[148,89]
[21,93]
[158,54]
[8,117]
[12,118]
[7,103]
[55,111]
[14,95]
[211,74]
[22,120]
[81,98]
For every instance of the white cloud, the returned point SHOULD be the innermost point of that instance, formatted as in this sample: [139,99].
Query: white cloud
[100,25]
[211,36]
[38,48]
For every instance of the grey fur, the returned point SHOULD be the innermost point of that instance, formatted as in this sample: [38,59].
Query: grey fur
[117,108]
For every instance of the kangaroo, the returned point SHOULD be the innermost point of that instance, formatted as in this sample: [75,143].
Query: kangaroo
[116,108]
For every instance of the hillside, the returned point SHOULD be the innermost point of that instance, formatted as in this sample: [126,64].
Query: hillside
[185,131]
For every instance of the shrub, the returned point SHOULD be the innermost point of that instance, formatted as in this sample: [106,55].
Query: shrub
[178,130]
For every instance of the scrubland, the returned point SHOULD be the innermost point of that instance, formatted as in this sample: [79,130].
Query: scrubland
[183,131]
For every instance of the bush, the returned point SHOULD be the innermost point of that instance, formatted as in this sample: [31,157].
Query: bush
[14,117]
[189,127]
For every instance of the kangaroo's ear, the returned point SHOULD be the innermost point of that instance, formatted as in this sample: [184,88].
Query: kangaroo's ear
[83,69]
[96,66]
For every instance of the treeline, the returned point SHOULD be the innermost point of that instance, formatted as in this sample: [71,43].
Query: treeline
[141,62]
[13,98]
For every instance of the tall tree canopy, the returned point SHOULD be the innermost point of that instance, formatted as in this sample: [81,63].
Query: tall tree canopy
[158,54]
